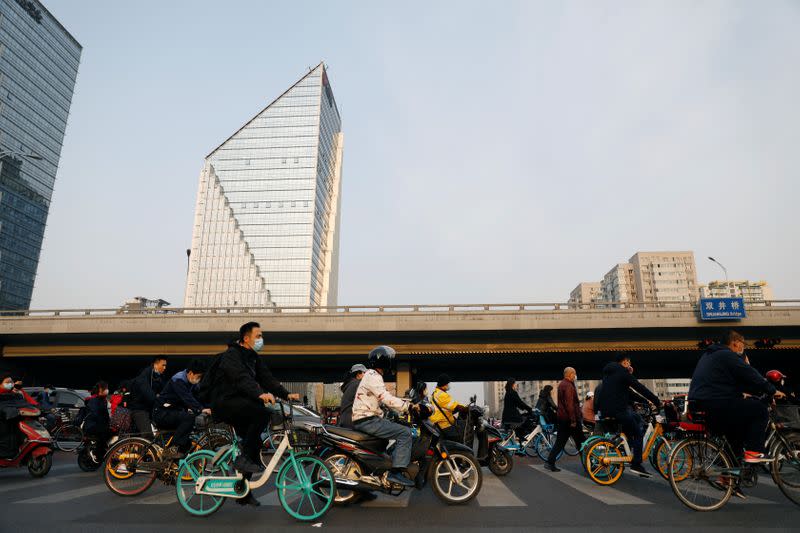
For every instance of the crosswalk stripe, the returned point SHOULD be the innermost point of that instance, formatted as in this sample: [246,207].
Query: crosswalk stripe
[270,498]
[161,498]
[65,496]
[29,484]
[495,493]
[606,495]
[656,478]
[384,500]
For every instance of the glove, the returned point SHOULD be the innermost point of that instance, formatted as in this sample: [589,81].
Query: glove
[462,409]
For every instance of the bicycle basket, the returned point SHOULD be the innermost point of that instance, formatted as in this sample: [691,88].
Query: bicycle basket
[304,438]
[788,415]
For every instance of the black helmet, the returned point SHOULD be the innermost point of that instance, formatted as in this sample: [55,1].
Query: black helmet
[382,358]
[443,380]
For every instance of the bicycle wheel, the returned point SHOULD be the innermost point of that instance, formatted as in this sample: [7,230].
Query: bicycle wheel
[68,437]
[125,470]
[305,486]
[701,474]
[544,443]
[570,448]
[785,468]
[197,465]
[598,465]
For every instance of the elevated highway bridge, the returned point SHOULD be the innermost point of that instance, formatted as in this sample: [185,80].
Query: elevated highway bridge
[469,342]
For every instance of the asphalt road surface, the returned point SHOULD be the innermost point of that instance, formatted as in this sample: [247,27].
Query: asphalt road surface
[528,498]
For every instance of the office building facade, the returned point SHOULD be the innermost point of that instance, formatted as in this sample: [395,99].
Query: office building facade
[266,227]
[38,67]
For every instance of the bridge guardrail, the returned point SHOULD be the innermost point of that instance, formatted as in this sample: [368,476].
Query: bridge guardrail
[403,308]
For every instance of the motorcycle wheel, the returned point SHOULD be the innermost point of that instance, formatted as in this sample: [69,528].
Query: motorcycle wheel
[40,466]
[500,464]
[86,462]
[344,467]
[443,484]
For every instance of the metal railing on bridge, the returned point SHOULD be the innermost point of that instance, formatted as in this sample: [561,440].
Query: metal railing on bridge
[417,308]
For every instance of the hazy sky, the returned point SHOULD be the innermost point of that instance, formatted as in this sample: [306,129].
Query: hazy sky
[494,151]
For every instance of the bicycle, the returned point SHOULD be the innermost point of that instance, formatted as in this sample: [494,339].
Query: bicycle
[704,471]
[134,463]
[67,436]
[604,456]
[301,478]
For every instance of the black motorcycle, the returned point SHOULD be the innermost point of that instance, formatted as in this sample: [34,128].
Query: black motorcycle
[361,462]
[490,452]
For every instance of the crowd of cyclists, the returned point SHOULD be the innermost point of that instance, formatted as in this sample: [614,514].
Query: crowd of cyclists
[237,385]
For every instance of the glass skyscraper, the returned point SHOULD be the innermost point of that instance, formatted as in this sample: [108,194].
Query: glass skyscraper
[266,226]
[38,67]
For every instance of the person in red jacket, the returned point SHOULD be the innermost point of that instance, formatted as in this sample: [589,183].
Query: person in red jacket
[568,418]
[9,386]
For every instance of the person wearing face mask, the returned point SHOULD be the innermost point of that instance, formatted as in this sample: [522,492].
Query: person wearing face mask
[9,386]
[144,389]
[177,406]
[444,409]
[720,381]
[568,418]
[242,384]
[96,421]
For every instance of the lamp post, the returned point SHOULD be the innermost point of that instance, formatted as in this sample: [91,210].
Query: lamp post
[188,255]
[725,270]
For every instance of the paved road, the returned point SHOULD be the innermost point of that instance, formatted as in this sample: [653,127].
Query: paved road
[530,497]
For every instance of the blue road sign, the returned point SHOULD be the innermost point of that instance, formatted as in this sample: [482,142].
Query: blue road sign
[722,309]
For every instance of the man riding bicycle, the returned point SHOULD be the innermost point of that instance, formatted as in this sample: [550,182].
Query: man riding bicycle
[720,381]
[177,407]
[615,402]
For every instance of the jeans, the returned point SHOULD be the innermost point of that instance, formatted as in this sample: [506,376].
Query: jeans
[743,421]
[142,421]
[379,427]
[565,431]
[631,424]
[179,420]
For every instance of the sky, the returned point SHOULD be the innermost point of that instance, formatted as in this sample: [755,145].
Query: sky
[494,151]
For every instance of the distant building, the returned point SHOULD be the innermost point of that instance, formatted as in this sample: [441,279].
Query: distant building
[619,284]
[38,68]
[493,394]
[588,292]
[668,277]
[751,291]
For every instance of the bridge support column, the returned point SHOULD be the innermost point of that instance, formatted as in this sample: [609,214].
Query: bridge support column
[403,378]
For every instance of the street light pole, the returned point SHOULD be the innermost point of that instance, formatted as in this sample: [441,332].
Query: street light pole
[188,254]
[725,270]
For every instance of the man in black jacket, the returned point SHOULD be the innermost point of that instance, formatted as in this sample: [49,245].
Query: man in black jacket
[719,382]
[177,407]
[349,388]
[242,385]
[144,389]
[615,401]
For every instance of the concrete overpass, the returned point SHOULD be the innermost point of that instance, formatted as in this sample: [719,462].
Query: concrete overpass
[470,342]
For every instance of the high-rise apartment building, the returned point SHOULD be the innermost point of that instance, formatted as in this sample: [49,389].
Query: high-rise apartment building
[266,227]
[588,292]
[619,284]
[751,291]
[665,276]
[38,67]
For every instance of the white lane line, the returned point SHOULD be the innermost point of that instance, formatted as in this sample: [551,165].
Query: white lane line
[750,499]
[161,498]
[29,484]
[495,493]
[606,495]
[65,496]
[384,500]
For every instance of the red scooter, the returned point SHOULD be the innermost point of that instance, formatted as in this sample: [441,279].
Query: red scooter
[35,448]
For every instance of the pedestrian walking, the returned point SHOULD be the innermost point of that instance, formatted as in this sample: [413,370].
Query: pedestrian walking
[568,418]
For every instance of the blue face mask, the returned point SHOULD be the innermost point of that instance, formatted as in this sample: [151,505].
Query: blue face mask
[258,344]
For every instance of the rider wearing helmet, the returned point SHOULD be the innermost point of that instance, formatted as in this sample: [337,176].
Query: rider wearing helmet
[778,380]
[368,416]
[444,409]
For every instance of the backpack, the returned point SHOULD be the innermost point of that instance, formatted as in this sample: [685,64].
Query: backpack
[205,389]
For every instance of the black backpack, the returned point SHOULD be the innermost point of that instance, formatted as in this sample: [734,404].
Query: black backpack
[205,390]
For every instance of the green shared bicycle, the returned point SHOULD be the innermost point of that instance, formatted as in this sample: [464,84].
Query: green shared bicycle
[304,484]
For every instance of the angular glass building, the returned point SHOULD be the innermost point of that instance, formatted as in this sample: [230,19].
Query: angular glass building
[38,67]
[266,226]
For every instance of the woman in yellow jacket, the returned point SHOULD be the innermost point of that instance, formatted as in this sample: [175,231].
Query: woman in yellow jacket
[445,408]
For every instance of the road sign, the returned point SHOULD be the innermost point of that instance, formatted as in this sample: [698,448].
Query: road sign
[722,309]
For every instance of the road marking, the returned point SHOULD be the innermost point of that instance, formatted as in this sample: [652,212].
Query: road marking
[161,498]
[270,498]
[495,493]
[656,478]
[384,500]
[68,495]
[29,484]
[606,495]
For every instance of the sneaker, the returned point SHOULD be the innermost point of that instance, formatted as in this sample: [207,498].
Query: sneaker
[245,465]
[640,471]
[739,494]
[249,500]
[551,467]
[172,454]
[400,479]
[756,457]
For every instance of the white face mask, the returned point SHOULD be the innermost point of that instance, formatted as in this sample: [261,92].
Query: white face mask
[8,386]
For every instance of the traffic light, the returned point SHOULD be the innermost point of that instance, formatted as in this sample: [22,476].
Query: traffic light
[705,343]
[767,343]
